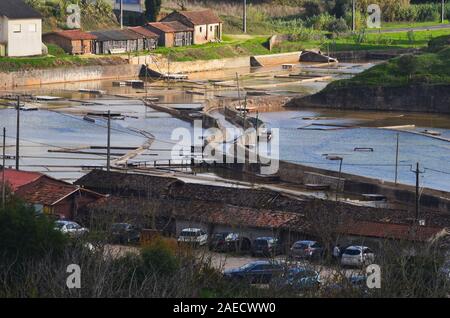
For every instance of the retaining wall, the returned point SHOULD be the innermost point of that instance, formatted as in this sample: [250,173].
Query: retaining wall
[67,74]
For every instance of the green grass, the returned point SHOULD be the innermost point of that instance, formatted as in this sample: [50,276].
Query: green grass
[56,58]
[431,67]
[396,25]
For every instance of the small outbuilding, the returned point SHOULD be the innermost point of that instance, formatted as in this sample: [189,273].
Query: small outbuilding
[117,41]
[71,41]
[150,38]
[206,24]
[172,33]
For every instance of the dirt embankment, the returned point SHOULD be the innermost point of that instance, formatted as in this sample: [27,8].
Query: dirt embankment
[414,98]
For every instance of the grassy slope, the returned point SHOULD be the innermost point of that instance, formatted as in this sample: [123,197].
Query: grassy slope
[431,67]
[55,58]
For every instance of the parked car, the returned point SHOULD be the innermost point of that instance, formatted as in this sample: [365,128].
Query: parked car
[357,256]
[298,278]
[125,233]
[194,236]
[306,249]
[229,242]
[266,246]
[70,228]
[255,272]
[355,285]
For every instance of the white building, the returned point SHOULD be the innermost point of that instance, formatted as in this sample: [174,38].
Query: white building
[20,29]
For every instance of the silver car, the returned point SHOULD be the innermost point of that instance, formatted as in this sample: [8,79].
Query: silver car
[70,228]
[357,256]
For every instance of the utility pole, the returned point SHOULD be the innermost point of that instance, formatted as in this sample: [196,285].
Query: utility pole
[108,154]
[238,91]
[18,133]
[442,11]
[353,15]
[121,14]
[396,159]
[244,17]
[3,169]
[417,172]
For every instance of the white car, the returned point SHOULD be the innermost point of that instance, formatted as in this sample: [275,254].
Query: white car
[193,236]
[70,228]
[357,256]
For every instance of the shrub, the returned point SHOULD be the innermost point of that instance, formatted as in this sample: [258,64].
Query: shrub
[159,258]
[338,26]
[23,235]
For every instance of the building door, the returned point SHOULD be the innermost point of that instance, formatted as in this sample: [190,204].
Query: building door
[217,32]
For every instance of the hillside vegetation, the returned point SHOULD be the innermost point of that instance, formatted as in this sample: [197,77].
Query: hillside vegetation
[94,16]
[430,67]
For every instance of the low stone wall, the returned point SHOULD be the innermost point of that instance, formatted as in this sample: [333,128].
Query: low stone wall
[160,64]
[274,59]
[67,74]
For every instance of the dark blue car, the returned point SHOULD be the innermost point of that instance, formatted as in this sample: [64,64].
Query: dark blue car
[256,272]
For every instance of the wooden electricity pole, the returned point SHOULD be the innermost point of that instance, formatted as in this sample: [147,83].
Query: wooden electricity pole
[443,11]
[353,15]
[244,17]
[396,159]
[3,169]
[108,150]
[18,133]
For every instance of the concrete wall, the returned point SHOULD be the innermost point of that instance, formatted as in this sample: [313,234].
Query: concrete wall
[274,59]
[160,64]
[61,75]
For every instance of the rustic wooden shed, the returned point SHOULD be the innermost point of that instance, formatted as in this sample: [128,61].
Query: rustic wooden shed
[150,38]
[117,41]
[172,33]
[71,41]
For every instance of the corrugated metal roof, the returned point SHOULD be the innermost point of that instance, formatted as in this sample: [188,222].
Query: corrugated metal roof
[144,32]
[116,35]
[73,35]
[171,27]
[201,17]
[18,9]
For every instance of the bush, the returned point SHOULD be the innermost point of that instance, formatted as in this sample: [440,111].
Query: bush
[23,235]
[338,26]
[159,258]
[427,12]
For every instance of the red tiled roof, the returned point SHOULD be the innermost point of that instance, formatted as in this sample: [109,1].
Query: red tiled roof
[241,216]
[16,179]
[46,191]
[170,27]
[74,35]
[201,17]
[143,31]
[391,230]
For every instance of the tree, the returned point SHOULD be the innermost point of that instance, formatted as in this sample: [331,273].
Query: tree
[23,235]
[152,9]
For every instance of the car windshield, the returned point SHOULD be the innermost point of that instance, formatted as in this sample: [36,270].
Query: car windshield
[119,226]
[189,233]
[59,225]
[300,246]
[351,251]
[261,242]
[220,236]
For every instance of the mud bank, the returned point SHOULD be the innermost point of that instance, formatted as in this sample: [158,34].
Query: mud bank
[414,98]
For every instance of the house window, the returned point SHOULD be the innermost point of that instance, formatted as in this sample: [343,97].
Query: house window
[210,28]
[32,27]
[201,29]
[17,28]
